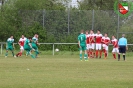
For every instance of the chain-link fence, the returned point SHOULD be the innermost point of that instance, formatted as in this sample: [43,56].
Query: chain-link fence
[64,26]
[72,21]
[56,26]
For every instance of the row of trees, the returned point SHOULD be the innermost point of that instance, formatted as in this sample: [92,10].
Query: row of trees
[54,23]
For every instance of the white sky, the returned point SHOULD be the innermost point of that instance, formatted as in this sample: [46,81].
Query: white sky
[74,3]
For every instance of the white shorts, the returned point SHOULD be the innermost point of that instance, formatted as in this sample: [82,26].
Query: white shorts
[87,46]
[21,48]
[115,50]
[92,46]
[105,47]
[98,46]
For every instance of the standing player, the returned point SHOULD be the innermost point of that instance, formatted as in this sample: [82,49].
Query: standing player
[35,43]
[87,43]
[10,46]
[28,46]
[105,41]
[21,44]
[114,41]
[92,43]
[98,44]
[82,45]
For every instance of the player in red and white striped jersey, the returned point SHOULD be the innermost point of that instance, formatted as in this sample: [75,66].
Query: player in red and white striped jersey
[87,42]
[92,43]
[105,41]
[114,41]
[21,44]
[98,37]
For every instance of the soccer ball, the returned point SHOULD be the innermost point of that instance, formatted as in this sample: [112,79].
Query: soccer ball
[56,50]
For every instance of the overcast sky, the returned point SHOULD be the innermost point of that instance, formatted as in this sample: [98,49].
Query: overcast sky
[74,3]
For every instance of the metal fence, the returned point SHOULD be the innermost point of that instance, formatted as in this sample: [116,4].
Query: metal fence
[64,26]
[72,21]
[53,45]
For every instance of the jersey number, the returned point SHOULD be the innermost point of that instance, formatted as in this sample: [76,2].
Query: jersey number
[81,38]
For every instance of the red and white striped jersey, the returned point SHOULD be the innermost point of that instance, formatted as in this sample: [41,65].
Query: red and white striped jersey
[115,43]
[98,38]
[91,38]
[87,39]
[105,40]
[21,41]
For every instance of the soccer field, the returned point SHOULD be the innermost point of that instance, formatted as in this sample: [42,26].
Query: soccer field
[65,71]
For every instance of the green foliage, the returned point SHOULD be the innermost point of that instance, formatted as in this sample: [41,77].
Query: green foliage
[54,23]
[97,4]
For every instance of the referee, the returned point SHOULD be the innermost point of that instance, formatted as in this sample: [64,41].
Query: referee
[122,46]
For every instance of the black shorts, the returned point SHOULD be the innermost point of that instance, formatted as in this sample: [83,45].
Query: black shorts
[122,49]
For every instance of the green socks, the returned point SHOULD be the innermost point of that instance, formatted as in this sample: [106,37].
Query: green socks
[80,55]
[36,53]
[27,53]
[6,54]
[32,56]
[85,57]
[12,53]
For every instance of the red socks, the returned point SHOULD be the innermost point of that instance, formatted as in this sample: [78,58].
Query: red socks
[100,53]
[96,53]
[19,54]
[105,53]
[88,53]
[114,56]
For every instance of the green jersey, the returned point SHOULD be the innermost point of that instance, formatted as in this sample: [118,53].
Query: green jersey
[34,40]
[82,39]
[27,46]
[34,43]
[10,42]
[26,43]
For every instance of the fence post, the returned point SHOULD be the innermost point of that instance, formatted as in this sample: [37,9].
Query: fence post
[1,47]
[68,20]
[53,49]
[43,18]
[118,26]
[92,19]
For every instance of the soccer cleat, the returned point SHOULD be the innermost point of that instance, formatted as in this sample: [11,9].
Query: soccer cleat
[5,56]
[15,56]
[100,57]
[86,60]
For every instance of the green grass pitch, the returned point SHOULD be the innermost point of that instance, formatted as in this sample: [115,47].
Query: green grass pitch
[65,71]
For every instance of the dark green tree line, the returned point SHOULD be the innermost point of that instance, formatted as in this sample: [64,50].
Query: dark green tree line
[54,23]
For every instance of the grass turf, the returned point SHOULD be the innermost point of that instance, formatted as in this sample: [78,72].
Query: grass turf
[65,71]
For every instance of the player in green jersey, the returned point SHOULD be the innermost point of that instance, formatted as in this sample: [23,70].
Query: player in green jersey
[82,45]
[35,43]
[10,46]
[28,47]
